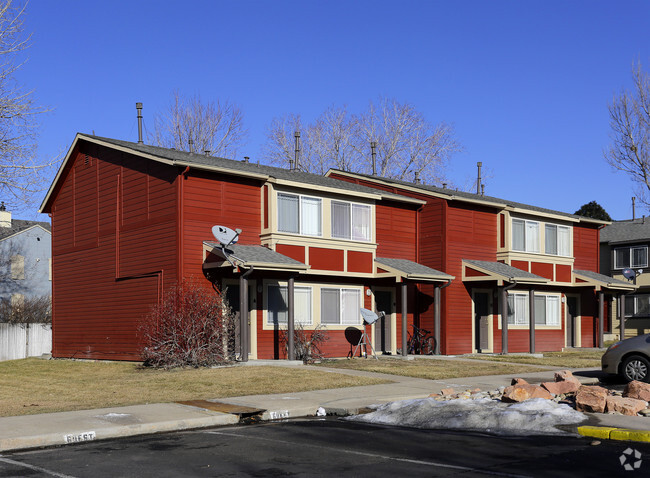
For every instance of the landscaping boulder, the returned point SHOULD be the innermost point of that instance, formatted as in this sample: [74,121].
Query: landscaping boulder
[447,391]
[625,406]
[524,391]
[591,398]
[518,381]
[566,376]
[563,387]
[638,390]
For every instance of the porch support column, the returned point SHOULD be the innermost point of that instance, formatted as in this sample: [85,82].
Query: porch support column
[243,315]
[601,316]
[290,321]
[436,320]
[504,316]
[404,320]
[531,320]
[621,299]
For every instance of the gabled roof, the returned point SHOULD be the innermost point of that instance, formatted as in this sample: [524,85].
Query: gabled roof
[501,271]
[621,232]
[259,257]
[600,280]
[21,225]
[412,270]
[455,195]
[262,172]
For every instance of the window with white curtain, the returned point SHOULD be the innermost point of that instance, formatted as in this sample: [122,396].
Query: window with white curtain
[547,309]
[278,305]
[350,221]
[635,256]
[340,306]
[299,214]
[525,235]
[557,240]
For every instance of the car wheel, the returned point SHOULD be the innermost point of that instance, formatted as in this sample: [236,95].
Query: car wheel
[636,368]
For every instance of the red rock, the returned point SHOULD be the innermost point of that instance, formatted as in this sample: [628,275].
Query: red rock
[566,376]
[591,399]
[525,391]
[518,381]
[558,388]
[626,406]
[447,391]
[638,390]
[434,395]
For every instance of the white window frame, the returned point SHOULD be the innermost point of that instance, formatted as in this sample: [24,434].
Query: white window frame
[302,317]
[302,211]
[531,239]
[559,231]
[521,316]
[632,310]
[344,314]
[630,257]
[361,232]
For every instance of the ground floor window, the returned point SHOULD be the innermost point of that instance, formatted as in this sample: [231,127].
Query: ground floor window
[547,309]
[277,310]
[637,305]
[340,306]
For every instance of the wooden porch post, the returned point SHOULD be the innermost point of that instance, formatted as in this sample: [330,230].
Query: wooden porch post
[436,320]
[622,317]
[531,320]
[290,321]
[243,315]
[601,315]
[404,320]
[504,320]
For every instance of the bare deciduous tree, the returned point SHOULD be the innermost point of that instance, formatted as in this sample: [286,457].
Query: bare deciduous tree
[21,174]
[406,142]
[629,119]
[190,124]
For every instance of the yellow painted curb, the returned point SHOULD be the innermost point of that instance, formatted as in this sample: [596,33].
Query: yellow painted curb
[613,433]
[596,432]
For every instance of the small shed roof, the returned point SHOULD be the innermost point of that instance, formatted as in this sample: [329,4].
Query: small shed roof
[412,270]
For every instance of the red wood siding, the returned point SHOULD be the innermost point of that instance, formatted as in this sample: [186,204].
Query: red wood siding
[586,248]
[543,269]
[359,261]
[469,272]
[562,273]
[326,259]
[396,230]
[109,263]
[295,252]
[523,265]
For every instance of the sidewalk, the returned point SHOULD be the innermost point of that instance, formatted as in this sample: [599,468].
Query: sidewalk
[33,431]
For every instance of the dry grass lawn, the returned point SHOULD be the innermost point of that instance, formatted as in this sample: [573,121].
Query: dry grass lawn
[41,386]
[571,359]
[431,369]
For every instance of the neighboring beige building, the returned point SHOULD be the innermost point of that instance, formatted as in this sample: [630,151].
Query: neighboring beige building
[624,247]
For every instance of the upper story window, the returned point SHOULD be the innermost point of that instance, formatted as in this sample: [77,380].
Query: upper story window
[18,267]
[350,221]
[557,240]
[635,256]
[525,235]
[300,214]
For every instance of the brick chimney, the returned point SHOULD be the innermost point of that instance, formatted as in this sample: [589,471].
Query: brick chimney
[5,216]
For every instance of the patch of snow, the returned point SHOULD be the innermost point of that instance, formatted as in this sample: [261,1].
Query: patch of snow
[532,417]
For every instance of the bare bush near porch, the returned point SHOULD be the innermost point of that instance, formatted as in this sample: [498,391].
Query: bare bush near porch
[307,343]
[28,310]
[193,326]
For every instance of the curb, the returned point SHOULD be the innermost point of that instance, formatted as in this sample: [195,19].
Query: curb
[613,433]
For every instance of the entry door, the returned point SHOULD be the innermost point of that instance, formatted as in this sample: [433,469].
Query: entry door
[481,321]
[232,295]
[383,302]
[571,315]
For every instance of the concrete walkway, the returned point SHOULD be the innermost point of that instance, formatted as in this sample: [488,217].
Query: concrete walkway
[32,431]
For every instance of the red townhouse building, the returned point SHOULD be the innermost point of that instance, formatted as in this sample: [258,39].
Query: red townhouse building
[540,266]
[130,220]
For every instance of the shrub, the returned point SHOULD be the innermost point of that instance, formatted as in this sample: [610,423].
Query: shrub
[306,343]
[27,310]
[192,326]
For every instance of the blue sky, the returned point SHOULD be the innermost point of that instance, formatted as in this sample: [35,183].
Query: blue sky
[525,83]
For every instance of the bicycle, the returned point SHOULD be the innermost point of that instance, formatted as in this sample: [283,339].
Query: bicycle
[420,342]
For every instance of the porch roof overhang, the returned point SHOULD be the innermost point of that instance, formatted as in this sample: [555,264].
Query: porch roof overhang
[498,271]
[601,281]
[260,257]
[405,269]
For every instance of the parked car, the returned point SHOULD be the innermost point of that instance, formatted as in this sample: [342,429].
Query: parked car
[629,358]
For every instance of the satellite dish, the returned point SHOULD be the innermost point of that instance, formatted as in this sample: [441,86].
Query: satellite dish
[629,274]
[225,235]
[369,316]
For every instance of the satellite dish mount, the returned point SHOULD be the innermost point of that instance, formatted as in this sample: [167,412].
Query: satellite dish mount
[226,238]
[369,317]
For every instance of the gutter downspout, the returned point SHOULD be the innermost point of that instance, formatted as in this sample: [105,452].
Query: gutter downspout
[504,316]
[436,317]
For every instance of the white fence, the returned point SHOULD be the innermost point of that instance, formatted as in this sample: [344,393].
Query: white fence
[19,341]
